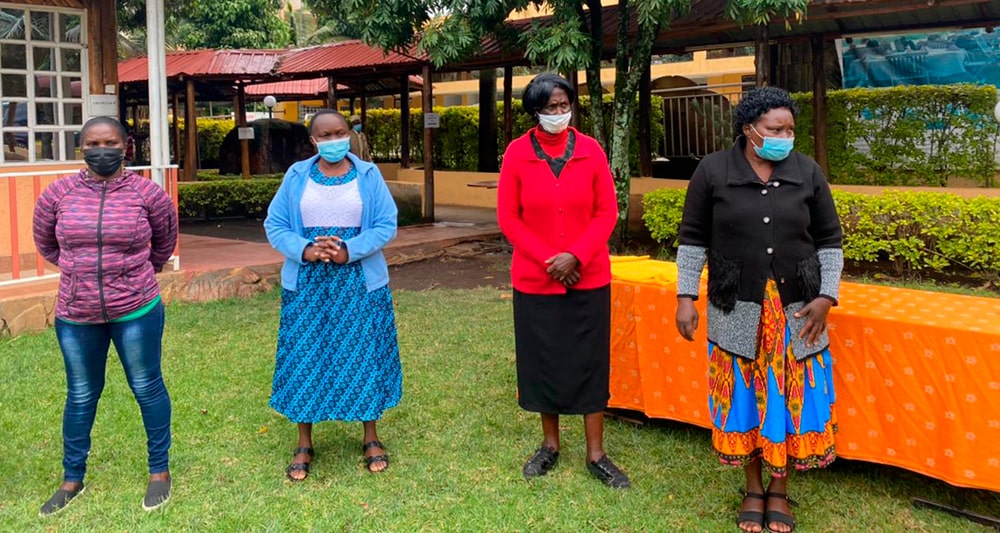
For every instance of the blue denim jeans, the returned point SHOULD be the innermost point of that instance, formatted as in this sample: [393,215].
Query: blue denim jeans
[85,352]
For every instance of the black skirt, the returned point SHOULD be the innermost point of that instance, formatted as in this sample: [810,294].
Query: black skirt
[563,344]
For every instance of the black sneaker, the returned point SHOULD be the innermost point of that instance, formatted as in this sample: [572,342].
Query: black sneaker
[609,474]
[59,501]
[157,494]
[545,459]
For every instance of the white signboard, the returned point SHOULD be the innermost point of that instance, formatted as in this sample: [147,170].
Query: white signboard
[432,120]
[104,105]
[244,134]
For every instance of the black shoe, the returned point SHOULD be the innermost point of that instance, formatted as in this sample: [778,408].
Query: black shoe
[157,494]
[59,501]
[545,459]
[609,474]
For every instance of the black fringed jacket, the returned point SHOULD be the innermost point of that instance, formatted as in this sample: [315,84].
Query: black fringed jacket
[753,230]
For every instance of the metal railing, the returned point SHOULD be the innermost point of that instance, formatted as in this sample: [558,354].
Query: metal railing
[698,120]
[19,260]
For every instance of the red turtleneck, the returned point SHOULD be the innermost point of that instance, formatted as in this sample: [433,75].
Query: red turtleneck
[553,144]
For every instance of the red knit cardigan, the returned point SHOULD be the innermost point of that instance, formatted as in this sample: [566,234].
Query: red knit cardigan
[543,216]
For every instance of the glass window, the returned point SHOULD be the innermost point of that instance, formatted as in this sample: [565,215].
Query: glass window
[43,58]
[69,28]
[11,24]
[43,68]
[41,26]
[45,113]
[13,85]
[13,56]
[70,60]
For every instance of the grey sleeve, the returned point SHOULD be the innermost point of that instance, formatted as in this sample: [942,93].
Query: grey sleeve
[690,262]
[831,265]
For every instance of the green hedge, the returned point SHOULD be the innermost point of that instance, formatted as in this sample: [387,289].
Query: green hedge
[912,230]
[907,135]
[456,142]
[213,175]
[222,198]
[211,132]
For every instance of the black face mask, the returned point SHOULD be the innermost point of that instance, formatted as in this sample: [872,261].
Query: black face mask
[103,161]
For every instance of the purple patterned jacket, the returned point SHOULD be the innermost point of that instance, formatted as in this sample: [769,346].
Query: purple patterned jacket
[108,238]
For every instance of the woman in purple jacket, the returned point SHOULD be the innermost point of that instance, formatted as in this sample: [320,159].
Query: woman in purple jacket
[109,231]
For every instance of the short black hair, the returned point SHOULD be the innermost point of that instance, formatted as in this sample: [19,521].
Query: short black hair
[539,90]
[322,112]
[106,121]
[758,102]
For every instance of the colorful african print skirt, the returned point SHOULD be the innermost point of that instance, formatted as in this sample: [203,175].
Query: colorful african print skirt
[338,355]
[774,408]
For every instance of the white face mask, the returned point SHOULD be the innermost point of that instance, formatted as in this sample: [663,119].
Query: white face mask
[555,123]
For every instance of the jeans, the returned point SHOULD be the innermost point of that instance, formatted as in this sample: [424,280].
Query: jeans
[85,352]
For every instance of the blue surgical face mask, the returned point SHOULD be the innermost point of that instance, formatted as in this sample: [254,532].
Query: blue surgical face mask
[774,148]
[335,150]
[357,128]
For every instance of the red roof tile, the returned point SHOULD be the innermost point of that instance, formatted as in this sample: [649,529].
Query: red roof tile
[205,63]
[339,56]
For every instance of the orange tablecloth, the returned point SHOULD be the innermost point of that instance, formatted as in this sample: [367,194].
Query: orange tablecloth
[917,374]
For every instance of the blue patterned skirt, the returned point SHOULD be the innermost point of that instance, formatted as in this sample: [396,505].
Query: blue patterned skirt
[337,356]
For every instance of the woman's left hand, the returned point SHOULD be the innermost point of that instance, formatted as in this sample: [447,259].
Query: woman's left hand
[335,248]
[815,313]
[562,266]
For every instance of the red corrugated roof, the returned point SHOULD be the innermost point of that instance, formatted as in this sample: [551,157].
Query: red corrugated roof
[339,56]
[312,87]
[205,63]
[287,88]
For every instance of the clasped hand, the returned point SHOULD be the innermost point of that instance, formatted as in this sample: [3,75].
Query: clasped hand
[563,268]
[326,249]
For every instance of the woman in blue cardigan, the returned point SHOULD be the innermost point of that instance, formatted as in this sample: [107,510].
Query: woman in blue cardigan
[337,355]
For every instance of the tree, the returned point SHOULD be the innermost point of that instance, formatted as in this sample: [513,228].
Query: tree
[132,27]
[193,24]
[235,24]
[452,30]
[312,26]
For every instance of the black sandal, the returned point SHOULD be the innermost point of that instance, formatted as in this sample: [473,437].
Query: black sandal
[777,517]
[299,467]
[381,458]
[752,517]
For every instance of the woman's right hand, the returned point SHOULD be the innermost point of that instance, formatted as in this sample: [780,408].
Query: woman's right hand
[316,252]
[686,318]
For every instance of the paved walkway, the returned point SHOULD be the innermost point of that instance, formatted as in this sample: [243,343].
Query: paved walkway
[206,260]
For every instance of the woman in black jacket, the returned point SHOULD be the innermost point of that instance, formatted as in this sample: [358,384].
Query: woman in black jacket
[763,219]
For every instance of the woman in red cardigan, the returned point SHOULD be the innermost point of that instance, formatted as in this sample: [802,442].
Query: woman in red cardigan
[556,204]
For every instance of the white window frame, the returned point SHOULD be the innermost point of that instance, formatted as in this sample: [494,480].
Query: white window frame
[62,127]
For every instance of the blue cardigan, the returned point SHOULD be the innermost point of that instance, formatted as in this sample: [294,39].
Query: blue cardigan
[378,223]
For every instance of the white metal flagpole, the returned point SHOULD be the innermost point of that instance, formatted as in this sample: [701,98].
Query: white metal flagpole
[157,61]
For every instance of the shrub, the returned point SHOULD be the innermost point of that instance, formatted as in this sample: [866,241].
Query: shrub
[211,132]
[912,230]
[662,210]
[223,196]
[226,197]
[907,135]
[213,175]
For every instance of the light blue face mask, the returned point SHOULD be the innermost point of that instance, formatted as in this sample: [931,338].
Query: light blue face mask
[774,148]
[357,128]
[335,150]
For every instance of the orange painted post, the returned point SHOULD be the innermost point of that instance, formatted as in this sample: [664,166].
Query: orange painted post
[39,262]
[15,255]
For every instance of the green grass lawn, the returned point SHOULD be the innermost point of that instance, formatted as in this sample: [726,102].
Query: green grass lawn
[457,441]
